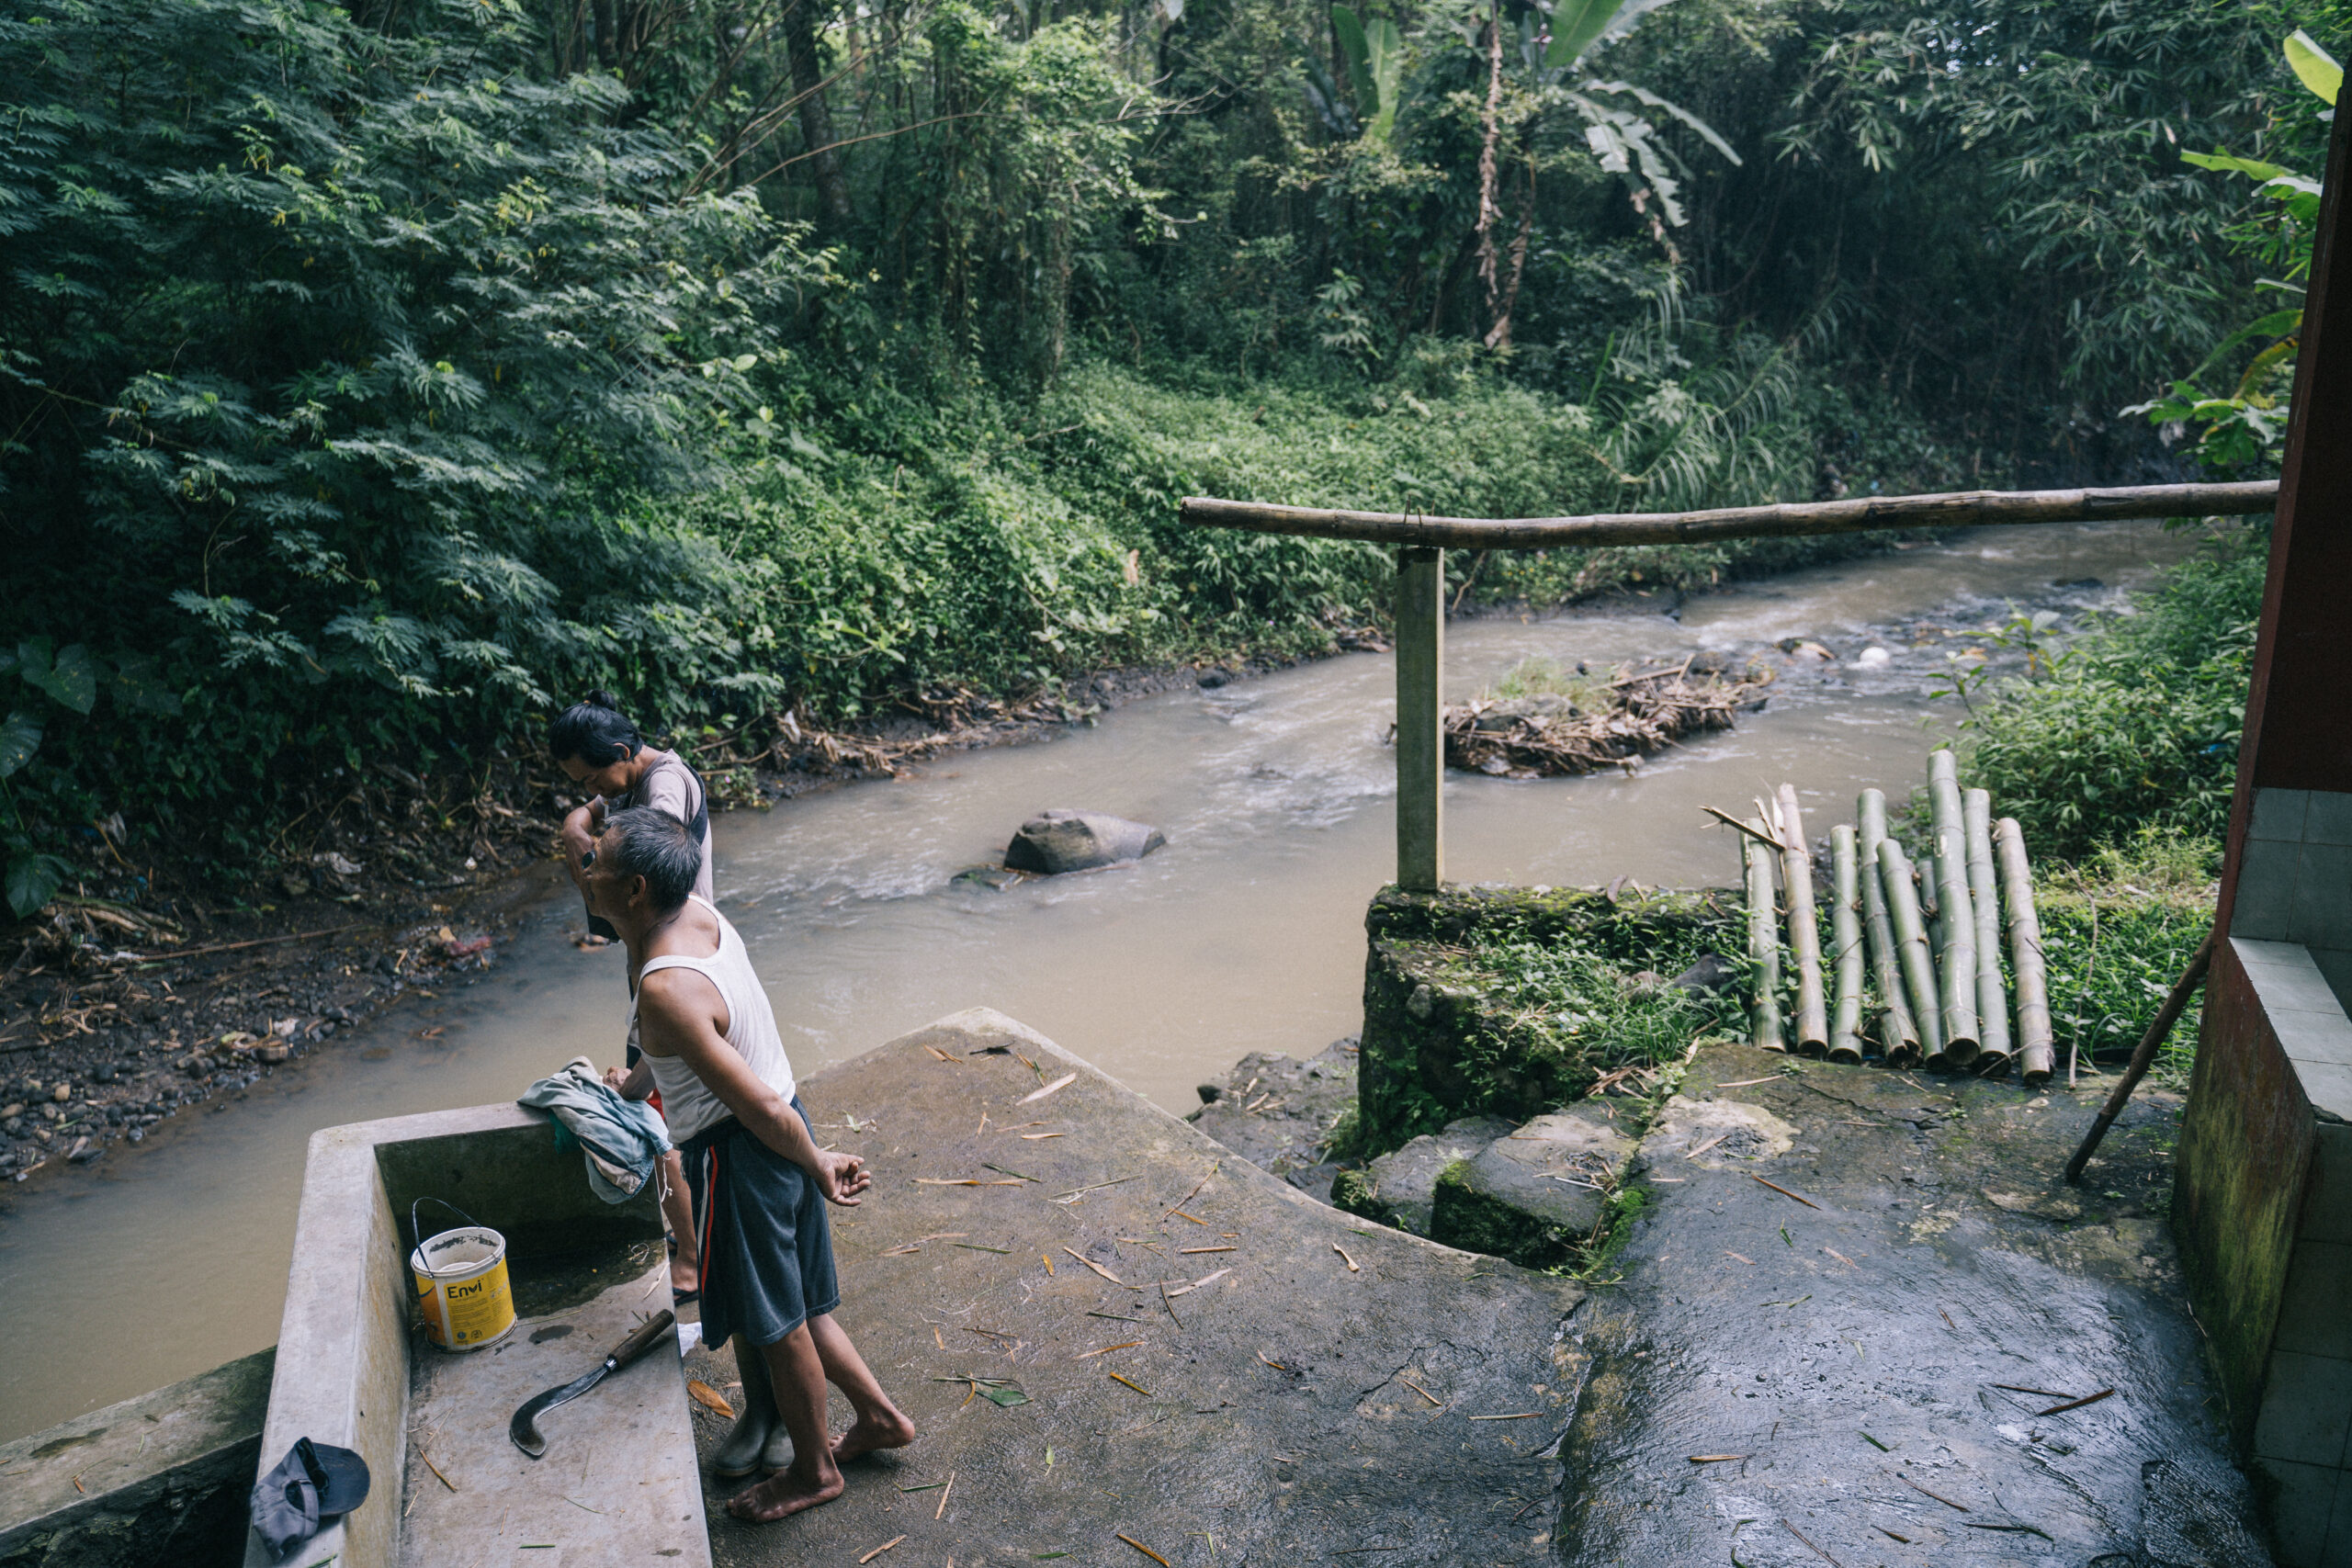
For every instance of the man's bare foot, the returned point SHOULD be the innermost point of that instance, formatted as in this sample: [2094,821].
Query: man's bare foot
[785,1493]
[886,1430]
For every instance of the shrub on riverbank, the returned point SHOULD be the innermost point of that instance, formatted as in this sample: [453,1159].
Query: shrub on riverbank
[2119,929]
[2136,724]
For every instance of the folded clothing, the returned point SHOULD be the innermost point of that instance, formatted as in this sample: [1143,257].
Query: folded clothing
[621,1140]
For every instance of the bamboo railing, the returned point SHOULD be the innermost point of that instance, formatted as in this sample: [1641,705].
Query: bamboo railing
[1420,603]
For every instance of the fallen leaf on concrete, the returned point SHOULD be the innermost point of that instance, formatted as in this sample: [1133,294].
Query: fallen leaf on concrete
[1108,1348]
[1062,1082]
[1706,1459]
[704,1395]
[1146,1550]
[894,1539]
[2076,1404]
[1188,1251]
[1096,1266]
[1782,1191]
[1137,1387]
[1203,1280]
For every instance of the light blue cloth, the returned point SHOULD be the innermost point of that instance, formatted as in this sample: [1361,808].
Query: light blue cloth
[622,1140]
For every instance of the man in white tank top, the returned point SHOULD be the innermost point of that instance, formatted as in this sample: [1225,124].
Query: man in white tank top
[759,1180]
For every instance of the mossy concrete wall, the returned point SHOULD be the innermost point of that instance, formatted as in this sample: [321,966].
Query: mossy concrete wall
[160,1480]
[1432,1048]
[2244,1157]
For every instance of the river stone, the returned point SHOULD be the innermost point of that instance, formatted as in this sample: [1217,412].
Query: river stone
[1056,842]
[1399,1187]
[1278,1112]
[1711,973]
[1537,1196]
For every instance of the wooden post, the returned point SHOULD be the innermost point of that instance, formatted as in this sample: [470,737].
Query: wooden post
[1420,717]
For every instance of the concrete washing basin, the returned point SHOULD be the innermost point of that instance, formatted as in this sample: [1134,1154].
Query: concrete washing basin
[354,1367]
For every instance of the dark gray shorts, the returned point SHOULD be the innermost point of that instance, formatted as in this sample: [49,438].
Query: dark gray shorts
[760,1232]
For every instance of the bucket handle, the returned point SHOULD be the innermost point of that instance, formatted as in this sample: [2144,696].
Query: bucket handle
[416,1233]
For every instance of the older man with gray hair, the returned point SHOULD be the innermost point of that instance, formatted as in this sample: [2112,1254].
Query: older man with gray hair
[760,1182]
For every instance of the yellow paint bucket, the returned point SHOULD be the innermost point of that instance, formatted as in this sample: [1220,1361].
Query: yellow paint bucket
[461,1286]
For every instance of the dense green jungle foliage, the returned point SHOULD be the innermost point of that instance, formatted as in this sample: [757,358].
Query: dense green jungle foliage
[2134,725]
[371,377]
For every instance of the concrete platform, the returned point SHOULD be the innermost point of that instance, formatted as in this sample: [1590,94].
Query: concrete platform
[1280,1405]
[1866,1368]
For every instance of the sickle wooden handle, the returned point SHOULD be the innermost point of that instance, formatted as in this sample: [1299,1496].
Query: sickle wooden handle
[643,1338]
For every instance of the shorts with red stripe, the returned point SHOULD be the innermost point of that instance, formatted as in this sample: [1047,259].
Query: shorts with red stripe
[761,1235]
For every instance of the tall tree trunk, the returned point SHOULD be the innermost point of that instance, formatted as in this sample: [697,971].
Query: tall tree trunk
[1499,335]
[1493,121]
[816,119]
[607,41]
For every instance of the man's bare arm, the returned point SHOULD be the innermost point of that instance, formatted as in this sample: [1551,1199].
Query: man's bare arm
[678,1011]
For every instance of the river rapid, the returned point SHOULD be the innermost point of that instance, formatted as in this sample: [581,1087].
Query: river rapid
[1244,934]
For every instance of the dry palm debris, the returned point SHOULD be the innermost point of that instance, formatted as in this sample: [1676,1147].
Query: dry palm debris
[881,1548]
[704,1395]
[1062,1082]
[1637,714]
[1146,1550]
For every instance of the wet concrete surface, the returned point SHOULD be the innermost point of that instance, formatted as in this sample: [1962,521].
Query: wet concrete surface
[1279,1404]
[1865,1368]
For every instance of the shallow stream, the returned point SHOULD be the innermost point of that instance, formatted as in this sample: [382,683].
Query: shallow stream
[1244,934]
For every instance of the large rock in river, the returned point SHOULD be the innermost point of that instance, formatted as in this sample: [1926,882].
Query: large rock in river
[1056,842]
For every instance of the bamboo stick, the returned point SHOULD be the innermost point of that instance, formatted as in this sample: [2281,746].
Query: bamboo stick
[1956,965]
[1846,934]
[1763,946]
[1984,900]
[1951,510]
[2144,1056]
[1804,926]
[1943,801]
[1898,1034]
[2037,1052]
[1911,945]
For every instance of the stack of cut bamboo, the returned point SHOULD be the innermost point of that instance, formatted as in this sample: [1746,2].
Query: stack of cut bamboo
[1918,948]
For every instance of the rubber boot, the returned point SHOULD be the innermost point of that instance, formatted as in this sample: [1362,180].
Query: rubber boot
[757,1429]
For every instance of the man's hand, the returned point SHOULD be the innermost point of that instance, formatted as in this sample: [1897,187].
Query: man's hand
[840,1178]
[579,835]
[617,1079]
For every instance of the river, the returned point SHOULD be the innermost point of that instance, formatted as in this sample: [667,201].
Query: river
[1244,934]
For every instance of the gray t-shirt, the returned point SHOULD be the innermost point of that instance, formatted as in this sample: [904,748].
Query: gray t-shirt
[671,786]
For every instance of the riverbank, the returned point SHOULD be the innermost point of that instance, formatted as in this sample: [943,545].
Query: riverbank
[156,987]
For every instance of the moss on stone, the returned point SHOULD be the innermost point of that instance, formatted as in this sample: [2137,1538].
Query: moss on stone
[1511,1001]
[1475,1221]
[1356,1192]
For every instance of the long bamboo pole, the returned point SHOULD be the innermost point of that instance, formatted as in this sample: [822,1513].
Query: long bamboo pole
[1984,898]
[1956,964]
[2144,1056]
[1911,939]
[1804,926]
[1959,508]
[2037,1052]
[1898,1034]
[1763,944]
[1846,934]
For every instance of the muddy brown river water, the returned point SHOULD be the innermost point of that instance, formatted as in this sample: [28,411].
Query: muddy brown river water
[1244,934]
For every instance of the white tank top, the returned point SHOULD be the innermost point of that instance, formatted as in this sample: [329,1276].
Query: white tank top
[687,1103]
